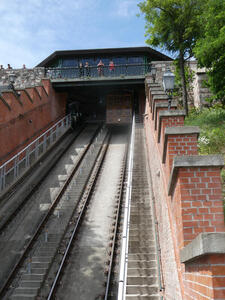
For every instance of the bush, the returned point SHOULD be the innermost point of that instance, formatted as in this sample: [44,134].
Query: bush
[212,124]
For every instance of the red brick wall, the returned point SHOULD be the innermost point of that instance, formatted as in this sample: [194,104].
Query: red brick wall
[23,123]
[195,206]
[179,145]
[206,278]
[169,254]
[171,121]
[200,197]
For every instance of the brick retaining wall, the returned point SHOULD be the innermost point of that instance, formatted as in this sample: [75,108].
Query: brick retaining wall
[188,197]
[23,118]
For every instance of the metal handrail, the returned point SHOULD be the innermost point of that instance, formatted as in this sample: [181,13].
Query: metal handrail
[13,164]
[125,234]
[98,71]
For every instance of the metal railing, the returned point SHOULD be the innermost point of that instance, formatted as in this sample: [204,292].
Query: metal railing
[84,73]
[15,167]
[125,235]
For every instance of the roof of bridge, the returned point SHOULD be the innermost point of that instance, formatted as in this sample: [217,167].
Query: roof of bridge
[108,51]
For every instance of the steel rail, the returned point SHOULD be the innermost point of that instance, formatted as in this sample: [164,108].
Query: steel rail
[12,274]
[100,157]
[116,225]
[125,238]
[19,208]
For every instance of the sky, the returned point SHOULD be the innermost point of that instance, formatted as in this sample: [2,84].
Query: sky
[31,30]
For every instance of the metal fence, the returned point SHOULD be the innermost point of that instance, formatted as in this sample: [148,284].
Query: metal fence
[98,72]
[11,170]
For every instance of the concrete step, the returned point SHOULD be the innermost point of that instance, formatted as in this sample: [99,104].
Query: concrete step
[22,297]
[140,203]
[142,289]
[144,297]
[141,271]
[45,253]
[30,284]
[138,238]
[39,265]
[141,232]
[142,264]
[141,280]
[144,243]
[135,250]
[141,221]
[32,277]
[140,226]
[141,256]
[140,211]
[40,259]
[140,217]
[26,291]
[37,271]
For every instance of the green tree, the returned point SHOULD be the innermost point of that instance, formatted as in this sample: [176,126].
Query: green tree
[210,48]
[174,26]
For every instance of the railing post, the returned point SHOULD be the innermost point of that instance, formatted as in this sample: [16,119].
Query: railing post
[44,143]
[1,178]
[27,157]
[15,167]
[36,149]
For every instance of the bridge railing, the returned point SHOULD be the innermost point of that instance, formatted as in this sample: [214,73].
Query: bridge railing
[15,167]
[84,73]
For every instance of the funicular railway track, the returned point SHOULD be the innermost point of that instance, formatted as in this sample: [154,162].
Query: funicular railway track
[64,275]
[10,215]
[33,274]
[21,256]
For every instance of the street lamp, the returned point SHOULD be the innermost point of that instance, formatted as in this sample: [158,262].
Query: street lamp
[168,85]
[153,73]
[12,78]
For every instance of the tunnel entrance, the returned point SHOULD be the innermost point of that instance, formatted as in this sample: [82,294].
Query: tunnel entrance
[111,104]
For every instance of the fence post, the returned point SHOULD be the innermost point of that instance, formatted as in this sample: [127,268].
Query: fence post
[1,179]
[44,143]
[36,149]
[15,167]
[27,157]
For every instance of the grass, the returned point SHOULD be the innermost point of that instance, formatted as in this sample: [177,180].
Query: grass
[212,137]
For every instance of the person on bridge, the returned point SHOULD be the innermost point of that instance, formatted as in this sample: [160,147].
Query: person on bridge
[87,69]
[100,68]
[81,70]
[111,67]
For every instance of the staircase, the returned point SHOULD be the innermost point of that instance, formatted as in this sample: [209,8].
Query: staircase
[142,277]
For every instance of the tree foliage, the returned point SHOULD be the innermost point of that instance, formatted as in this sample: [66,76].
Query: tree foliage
[174,26]
[210,48]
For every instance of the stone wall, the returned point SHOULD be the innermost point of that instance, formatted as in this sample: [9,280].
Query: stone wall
[24,77]
[198,93]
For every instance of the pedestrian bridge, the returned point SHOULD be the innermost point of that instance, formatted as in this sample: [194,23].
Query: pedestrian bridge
[94,73]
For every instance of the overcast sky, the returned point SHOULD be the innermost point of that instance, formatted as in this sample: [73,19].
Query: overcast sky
[31,30]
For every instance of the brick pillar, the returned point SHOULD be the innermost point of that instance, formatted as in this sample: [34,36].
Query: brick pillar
[168,118]
[204,273]
[179,141]
[161,107]
[157,99]
[196,190]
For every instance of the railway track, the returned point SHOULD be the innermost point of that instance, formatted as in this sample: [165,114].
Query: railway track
[23,257]
[48,251]
[80,230]
[75,250]
[140,276]
[10,214]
